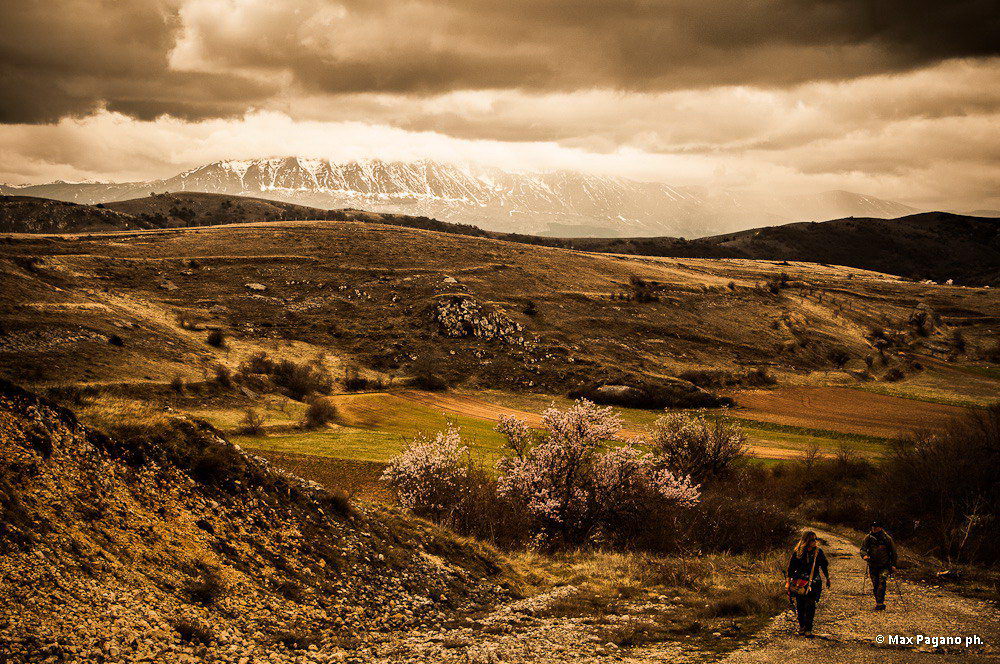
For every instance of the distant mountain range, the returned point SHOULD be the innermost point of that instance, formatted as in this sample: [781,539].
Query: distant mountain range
[929,245]
[559,203]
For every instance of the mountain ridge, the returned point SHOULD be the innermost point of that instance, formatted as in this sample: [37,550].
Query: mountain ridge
[554,203]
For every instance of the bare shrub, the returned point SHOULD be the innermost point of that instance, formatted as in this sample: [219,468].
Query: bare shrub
[297,380]
[193,632]
[252,423]
[319,413]
[945,490]
[216,339]
[427,374]
[206,588]
[696,447]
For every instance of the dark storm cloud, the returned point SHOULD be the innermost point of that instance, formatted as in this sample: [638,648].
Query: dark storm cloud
[70,57]
[435,46]
[213,58]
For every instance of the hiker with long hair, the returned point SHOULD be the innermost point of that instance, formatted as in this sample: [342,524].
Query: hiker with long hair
[879,551]
[803,581]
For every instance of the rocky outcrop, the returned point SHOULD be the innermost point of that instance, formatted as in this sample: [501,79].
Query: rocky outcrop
[170,544]
[460,315]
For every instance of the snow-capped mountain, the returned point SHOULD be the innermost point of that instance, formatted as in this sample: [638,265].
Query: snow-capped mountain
[553,203]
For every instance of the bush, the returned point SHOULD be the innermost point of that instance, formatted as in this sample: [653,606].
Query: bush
[838,357]
[893,375]
[223,376]
[564,488]
[428,376]
[194,632]
[319,413]
[645,394]
[696,447]
[728,522]
[720,378]
[354,381]
[73,395]
[297,380]
[559,489]
[944,490]
[216,339]
[206,589]
[252,423]
[429,476]
[178,384]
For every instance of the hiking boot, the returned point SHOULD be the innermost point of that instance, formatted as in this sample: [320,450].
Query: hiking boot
[880,607]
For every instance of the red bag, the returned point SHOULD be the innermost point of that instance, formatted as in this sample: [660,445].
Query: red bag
[803,586]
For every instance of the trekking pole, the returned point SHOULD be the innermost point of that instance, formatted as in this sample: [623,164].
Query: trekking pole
[864,579]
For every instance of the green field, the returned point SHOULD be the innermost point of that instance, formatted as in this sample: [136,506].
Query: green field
[378,426]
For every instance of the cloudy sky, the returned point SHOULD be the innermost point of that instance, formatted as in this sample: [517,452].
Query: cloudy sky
[898,99]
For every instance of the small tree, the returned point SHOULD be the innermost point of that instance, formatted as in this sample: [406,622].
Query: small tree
[694,446]
[429,476]
[572,488]
[216,339]
[319,413]
[252,423]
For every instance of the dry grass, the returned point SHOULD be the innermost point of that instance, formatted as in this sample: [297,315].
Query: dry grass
[707,586]
[110,411]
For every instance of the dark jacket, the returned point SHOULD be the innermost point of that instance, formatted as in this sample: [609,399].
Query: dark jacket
[800,566]
[879,549]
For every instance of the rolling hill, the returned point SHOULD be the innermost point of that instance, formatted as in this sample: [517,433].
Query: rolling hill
[559,203]
[27,214]
[932,245]
[136,305]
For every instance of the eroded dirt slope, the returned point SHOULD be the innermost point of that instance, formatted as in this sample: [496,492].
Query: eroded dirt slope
[171,544]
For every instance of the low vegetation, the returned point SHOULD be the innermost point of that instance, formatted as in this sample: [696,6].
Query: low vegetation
[939,493]
[564,487]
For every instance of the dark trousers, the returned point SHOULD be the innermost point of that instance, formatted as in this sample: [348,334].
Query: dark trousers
[880,579]
[805,608]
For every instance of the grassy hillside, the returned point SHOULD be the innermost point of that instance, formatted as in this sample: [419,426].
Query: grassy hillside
[25,214]
[171,210]
[934,245]
[478,312]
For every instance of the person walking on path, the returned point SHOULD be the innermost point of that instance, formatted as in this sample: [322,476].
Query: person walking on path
[879,551]
[803,580]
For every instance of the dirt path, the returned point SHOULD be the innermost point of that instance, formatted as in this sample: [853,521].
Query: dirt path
[473,407]
[847,629]
[842,409]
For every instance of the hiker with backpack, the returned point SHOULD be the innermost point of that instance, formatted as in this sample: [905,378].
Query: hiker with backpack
[803,580]
[879,551]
